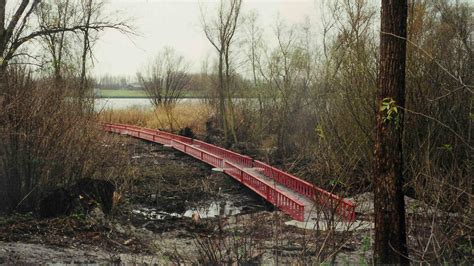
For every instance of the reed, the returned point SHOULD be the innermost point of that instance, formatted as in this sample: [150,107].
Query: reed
[173,118]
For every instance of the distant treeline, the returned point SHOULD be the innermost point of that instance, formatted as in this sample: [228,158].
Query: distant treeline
[201,85]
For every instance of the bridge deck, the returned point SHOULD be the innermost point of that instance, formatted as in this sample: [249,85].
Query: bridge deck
[292,195]
[309,205]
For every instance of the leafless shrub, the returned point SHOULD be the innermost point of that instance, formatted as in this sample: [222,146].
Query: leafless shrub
[215,250]
[47,141]
[240,243]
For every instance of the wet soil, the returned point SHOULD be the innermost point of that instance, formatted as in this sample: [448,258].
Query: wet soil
[173,186]
[168,188]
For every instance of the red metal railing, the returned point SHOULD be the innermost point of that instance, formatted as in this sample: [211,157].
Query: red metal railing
[160,133]
[224,153]
[287,204]
[234,157]
[234,164]
[344,208]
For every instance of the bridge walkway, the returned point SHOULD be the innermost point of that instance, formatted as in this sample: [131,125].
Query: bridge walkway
[292,195]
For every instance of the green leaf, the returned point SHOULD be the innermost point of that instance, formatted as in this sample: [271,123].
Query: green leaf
[447,147]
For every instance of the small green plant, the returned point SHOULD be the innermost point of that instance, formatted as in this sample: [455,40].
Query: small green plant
[447,147]
[335,182]
[390,110]
[365,247]
[79,216]
[320,132]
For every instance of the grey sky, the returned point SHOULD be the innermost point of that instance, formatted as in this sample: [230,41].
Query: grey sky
[176,24]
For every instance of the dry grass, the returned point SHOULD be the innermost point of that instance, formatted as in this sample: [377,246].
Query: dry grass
[192,115]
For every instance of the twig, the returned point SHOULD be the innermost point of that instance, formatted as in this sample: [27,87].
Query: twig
[458,79]
[439,122]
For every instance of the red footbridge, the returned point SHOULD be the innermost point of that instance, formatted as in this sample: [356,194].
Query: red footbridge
[290,194]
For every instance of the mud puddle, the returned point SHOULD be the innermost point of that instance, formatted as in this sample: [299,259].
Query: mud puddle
[211,210]
[174,187]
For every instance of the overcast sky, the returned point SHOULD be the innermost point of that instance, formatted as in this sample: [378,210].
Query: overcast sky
[176,23]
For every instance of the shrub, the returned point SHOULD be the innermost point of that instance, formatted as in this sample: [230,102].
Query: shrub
[48,139]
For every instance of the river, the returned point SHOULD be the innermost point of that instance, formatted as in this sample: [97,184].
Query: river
[140,103]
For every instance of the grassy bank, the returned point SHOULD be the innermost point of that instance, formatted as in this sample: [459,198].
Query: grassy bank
[121,94]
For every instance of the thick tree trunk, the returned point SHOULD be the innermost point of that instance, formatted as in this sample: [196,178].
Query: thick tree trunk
[390,231]
[10,182]
[3,175]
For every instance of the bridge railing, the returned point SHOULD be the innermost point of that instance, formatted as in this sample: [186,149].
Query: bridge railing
[161,133]
[197,153]
[287,204]
[113,128]
[243,160]
[240,159]
[342,207]
[137,132]
[223,158]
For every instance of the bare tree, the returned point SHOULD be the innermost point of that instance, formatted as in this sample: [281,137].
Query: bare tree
[18,30]
[90,13]
[220,32]
[61,48]
[165,77]
[59,13]
[254,35]
[87,7]
[389,205]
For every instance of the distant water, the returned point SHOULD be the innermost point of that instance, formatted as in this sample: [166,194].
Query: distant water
[124,103]
[121,103]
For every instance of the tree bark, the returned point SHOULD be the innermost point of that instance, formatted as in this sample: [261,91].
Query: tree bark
[390,232]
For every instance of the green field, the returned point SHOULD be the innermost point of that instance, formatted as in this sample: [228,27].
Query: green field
[121,94]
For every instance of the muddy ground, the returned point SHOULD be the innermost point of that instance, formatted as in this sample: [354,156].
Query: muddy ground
[153,223]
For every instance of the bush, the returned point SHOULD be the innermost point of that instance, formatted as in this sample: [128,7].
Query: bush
[48,139]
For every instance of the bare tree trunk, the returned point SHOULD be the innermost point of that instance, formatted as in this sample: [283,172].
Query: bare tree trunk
[4,180]
[221,38]
[390,232]
[85,48]
[222,98]
[230,105]
[58,67]
[3,43]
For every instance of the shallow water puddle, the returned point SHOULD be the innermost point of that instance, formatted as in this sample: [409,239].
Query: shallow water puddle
[214,209]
